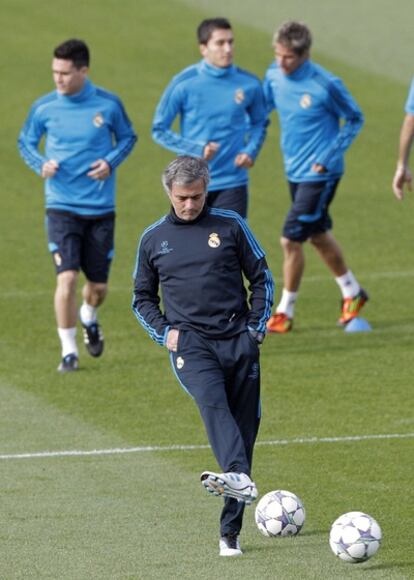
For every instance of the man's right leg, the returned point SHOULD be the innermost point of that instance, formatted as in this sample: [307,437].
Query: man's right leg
[199,372]
[293,236]
[353,296]
[240,357]
[66,316]
[293,268]
[64,237]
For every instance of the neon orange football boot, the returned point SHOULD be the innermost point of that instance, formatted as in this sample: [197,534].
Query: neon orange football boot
[352,306]
[280,323]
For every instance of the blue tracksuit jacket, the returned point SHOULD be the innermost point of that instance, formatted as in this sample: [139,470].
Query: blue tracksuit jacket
[199,266]
[318,117]
[225,105]
[409,105]
[79,129]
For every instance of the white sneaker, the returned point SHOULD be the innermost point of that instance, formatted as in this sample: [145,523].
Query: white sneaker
[230,545]
[236,485]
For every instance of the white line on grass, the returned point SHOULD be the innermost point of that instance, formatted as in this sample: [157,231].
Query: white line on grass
[121,450]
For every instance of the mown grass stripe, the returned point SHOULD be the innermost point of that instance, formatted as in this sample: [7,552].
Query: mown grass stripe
[151,448]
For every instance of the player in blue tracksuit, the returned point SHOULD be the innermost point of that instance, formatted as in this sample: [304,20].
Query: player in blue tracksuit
[87,135]
[198,256]
[403,174]
[319,119]
[222,116]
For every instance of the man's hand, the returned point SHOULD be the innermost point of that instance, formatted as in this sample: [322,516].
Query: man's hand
[258,336]
[317,168]
[243,160]
[49,168]
[100,169]
[172,340]
[210,150]
[402,176]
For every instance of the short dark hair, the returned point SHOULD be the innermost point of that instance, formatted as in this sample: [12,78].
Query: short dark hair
[207,27]
[294,35]
[75,50]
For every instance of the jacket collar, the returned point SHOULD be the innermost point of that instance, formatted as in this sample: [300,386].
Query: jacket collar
[87,90]
[172,216]
[216,71]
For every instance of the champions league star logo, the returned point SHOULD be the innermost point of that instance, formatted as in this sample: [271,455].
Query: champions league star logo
[165,249]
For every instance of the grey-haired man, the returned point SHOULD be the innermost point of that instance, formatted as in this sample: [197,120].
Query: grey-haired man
[199,256]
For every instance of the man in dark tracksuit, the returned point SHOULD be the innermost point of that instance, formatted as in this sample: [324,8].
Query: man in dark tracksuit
[199,255]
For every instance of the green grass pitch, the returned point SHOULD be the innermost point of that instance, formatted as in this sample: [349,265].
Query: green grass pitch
[143,514]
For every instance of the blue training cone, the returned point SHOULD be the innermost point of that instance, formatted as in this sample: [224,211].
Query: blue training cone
[358,325]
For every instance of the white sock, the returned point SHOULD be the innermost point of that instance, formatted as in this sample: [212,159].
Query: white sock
[87,313]
[348,285]
[68,340]
[287,303]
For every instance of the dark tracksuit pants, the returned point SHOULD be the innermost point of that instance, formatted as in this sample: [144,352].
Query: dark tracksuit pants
[223,377]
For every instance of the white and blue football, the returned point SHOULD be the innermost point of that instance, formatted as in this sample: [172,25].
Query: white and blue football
[280,513]
[355,537]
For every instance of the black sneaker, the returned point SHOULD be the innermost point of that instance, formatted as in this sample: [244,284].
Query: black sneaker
[230,545]
[93,338]
[69,363]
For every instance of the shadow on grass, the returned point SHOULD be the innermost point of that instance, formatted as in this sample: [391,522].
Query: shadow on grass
[381,567]
[313,533]
[402,325]
[285,541]
[401,333]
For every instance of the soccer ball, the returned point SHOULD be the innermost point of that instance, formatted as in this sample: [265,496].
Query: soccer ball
[355,537]
[280,513]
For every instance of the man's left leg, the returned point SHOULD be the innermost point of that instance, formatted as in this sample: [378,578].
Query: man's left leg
[65,312]
[330,252]
[353,296]
[97,255]
[293,236]
[93,294]
[293,268]
[65,232]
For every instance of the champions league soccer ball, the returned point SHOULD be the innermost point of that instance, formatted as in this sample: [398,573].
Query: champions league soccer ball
[355,537]
[280,513]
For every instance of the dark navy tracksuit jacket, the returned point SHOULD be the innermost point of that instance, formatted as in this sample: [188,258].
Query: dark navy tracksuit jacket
[200,267]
